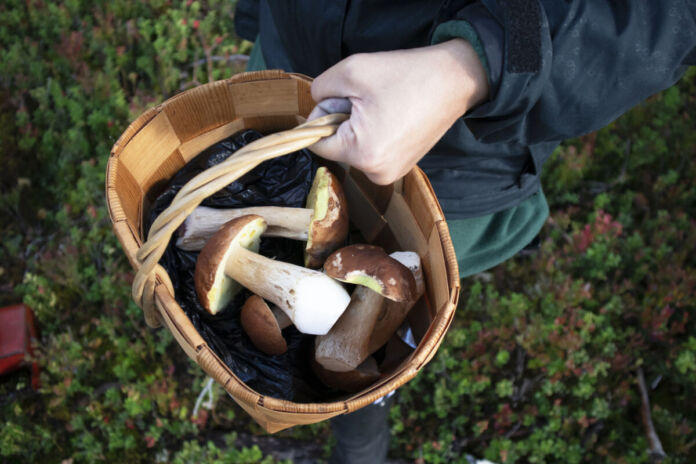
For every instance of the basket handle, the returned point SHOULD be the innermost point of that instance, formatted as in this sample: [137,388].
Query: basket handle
[215,178]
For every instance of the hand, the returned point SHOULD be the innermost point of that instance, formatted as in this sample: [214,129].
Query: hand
[401,103]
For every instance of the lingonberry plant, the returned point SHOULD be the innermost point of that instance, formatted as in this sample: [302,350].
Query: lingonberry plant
[543,361]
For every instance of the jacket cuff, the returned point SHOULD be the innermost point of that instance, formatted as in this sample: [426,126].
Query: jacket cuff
[484,32]
[516,72]
[460,29]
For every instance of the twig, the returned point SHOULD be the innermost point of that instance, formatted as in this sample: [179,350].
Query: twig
[520,361]
[513,430]
[527,383]
[552,222]
[104,387]
[657,454]
[207,390]
[238,58]
[194,79]
[624,166]
[594,429]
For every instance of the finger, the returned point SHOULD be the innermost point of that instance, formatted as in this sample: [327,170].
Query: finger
[339,146]
[334,82]
[330,106]
[384,178]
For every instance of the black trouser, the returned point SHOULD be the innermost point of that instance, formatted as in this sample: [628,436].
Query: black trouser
[362,437]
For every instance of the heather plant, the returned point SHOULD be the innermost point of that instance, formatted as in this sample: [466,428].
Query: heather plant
[543,358]
[74,74]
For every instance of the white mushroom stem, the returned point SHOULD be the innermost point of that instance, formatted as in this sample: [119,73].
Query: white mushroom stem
[312,300]
[367,324]
[282,221]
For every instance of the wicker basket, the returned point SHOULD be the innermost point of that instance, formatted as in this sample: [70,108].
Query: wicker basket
[403,216]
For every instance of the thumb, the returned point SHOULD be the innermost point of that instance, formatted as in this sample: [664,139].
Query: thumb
[329,106]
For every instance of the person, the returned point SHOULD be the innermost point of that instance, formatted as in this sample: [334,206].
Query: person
[476,93]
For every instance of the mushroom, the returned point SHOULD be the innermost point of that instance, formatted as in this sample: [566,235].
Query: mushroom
[323,223]
[351,381]
[379,277]
[264,325]
[393,313]
[228,261]
[371,267]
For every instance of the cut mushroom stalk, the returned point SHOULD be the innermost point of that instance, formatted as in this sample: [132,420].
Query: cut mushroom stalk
[264,325]
[345,346]
[323,223]
[203,222]
[311,299]
[379,277]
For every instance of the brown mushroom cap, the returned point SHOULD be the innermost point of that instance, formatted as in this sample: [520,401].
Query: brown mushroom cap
[214,288]
[261,325]
[329,225]
[372,267]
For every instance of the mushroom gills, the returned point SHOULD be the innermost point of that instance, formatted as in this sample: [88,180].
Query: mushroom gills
[365,280]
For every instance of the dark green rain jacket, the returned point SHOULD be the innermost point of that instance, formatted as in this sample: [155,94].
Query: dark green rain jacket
[557,69]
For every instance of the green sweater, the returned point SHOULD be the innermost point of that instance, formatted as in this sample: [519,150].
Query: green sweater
[479,242]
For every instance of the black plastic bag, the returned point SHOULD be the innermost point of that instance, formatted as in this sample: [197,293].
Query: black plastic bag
[283,181]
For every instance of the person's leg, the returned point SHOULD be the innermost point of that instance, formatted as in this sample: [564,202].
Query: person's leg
[363,436]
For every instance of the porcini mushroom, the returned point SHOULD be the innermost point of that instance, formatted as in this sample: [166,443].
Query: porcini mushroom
[351,381]
[393,313]
[371,267]
[379,277]
[264,325]
[311,299]
[323,223]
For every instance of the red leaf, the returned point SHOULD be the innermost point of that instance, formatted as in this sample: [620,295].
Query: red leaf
[201,419]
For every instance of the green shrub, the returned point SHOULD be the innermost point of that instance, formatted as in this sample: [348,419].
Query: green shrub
[540,362]
[74,74]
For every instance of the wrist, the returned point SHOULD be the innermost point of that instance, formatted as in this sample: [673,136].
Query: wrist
[463,74]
